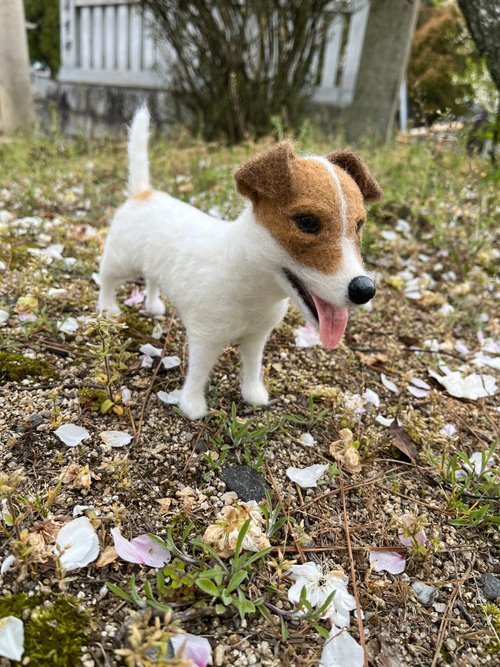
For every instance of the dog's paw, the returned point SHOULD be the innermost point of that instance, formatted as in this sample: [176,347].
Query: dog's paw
[155,308]
[194,407]
[108,309]
[255,393]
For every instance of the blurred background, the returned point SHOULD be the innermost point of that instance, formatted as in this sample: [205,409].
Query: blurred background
[231,70]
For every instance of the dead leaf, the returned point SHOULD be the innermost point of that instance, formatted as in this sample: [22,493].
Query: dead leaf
[403,442]
[108,556]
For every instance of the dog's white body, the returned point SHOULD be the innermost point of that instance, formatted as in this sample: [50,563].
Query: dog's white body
[224,278]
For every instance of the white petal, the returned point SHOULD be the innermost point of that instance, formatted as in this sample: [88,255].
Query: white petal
[170,398]
[55,292]
[7,564]
[417,382]
[448,430]
[126,394]
[307,439]
[387,560]
[97,279]
[389,384]
[194,648]
[71,434]
[307,477]
[385,421]
[11,638]
[68,326]
[472,386]
[372,397]
[418,393]
[78,510]
[115,438]
[481,359]
[306,336]
[446,309]
[4,316]
[77,544]
[171,362]
[461,347]
[341,650]
[150,350]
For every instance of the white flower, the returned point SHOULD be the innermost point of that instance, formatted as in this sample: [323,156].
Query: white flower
[341,650]
[77,544]
[11,638]
[319,585]
[308,477]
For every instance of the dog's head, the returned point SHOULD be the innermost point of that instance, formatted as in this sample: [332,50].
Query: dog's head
[314,208]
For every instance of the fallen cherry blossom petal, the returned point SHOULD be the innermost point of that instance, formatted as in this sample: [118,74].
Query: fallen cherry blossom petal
[384,421]
[341,650]
[77,544]
[307,478]
[446,309]
[4,316]
[150,350]
[307,439]
[115,438]
[448,430]
[54,292]
[136,297]
[389,384]
[171,362]
[306,336]
[193,648]
[372,397]
[418,393]
[7,563]
[171,397]
[472,386]
[126,394]
[477,466]
[387,561]
[71,434]
[461,348]
[422,384]
[78,510]
[146,361]
[68,326]
[481,359]
[96,278]
[141,550]
[11,638]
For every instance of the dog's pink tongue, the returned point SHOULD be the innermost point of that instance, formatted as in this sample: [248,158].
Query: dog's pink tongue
[332,322]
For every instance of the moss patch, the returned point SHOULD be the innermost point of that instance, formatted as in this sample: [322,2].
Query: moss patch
[55,631]
[15,367]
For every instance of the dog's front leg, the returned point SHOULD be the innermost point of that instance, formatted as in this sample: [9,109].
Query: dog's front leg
[253,389]
[202,357]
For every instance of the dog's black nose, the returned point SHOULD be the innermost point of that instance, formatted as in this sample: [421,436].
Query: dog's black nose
[361,289]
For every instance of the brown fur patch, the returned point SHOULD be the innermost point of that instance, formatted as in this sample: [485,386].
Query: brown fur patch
[312,190]
[359,172]
[142,196]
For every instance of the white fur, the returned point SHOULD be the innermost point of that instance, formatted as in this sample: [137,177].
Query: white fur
[224,278]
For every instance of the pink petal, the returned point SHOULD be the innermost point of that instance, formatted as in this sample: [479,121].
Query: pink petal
[194,648]
[152,552]
[418,393]
[141,550]
[136,297]
[387,560]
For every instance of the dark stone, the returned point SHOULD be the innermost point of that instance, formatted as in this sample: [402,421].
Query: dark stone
[246,482]
[491,586]
[425,593]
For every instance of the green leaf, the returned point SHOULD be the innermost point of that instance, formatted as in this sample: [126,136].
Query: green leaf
[207,586]
[236,580]
[320,629]
[219,609]
[284,630]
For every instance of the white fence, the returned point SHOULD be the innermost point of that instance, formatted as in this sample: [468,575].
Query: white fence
[111,43]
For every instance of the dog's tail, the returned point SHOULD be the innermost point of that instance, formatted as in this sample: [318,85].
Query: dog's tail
[138,163]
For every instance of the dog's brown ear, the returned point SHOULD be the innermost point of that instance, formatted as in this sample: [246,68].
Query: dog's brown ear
[351,162]
[267,175]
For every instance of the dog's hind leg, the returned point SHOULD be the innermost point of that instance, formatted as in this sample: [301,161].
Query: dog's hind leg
[107,303]
[253,389]
[154,304]
[202,357]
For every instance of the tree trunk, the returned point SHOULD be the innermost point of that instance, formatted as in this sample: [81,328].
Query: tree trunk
[483,20]
[16,99]
[388,38]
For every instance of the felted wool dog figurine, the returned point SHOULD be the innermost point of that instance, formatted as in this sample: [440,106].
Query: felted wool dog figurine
[299,238]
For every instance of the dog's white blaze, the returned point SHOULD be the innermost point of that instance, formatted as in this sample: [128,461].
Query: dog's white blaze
[343,201]
[351,265]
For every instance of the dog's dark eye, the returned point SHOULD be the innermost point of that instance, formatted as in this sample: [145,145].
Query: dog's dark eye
[359,226]
[307,223]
